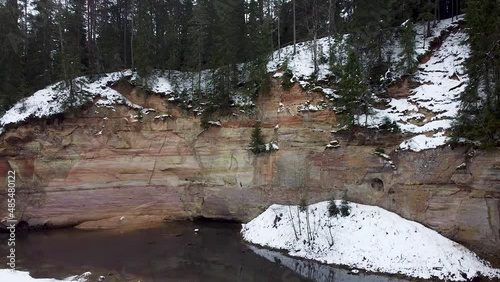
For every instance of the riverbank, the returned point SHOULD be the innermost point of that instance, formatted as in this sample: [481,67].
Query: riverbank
[369,238]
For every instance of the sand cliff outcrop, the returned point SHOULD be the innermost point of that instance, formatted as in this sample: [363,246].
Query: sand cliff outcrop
[106,168]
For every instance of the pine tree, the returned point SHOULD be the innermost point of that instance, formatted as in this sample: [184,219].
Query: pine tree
[337,51]
[143,39]
[261,54]
[333,209]
[409,62]
[257,140]
[479,116]
[228,51]
[426,14]
[354,98]
[12,83]
[71,50]
[345,209]
[108,52]
[41,45]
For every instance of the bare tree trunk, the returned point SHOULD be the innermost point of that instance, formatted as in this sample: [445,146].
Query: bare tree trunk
[132,36]
[315,51]
[199,64]
[329,23]
[300,225]
[308,227]
[279,39]
[63,58]
[125,16]
[452,9]
[293,224]
[294,29]
[436,5]
[61,42]
[25,41]
[261,12]
[315,27]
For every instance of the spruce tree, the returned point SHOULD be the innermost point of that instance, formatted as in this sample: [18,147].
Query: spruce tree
[479,116]
[143,43]
[257,140]
[71,50]
[41,45]
[425,9]
[345,209]
[354,97]
[109,52]
[333,209]
[12,83]
[409,63]
[337,56]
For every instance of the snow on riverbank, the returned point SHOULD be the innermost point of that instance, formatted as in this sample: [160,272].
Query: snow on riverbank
[316,271]
[8,275]
[370,238]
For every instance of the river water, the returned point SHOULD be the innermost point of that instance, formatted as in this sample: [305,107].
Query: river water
[170,252]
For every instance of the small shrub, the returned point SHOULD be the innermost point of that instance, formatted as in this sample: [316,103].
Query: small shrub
[286,79]
[303,205]
[345,209]
[379,151]
[333,210]
[265,86]
[390,126]
[206,116]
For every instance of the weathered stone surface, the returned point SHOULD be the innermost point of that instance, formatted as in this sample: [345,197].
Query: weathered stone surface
[156,170]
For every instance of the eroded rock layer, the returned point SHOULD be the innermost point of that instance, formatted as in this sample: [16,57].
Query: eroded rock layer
[106,168]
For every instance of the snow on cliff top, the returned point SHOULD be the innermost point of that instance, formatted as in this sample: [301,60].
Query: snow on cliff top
[52,99]
[431,107]
[428,112]
[7,275]
[370,238]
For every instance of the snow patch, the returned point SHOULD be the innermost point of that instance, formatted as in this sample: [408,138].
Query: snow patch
[370,238]
[22,276]
[54,98]
[422,142]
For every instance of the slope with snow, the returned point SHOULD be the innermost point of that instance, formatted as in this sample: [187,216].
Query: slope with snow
[430,109]
[370,238]
[53,99]
[428,112]
[426,115]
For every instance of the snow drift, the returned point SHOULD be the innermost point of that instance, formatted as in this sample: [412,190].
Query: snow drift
[370,238]
[8,275]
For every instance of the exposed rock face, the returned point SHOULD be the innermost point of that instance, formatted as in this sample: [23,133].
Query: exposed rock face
[156,169]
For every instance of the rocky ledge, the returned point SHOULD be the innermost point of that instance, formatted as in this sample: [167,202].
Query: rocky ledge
[106,168]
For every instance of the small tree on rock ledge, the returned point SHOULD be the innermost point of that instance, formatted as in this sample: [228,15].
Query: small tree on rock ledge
[257,143]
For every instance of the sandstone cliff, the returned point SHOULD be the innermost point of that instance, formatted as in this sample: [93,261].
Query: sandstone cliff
[104,168]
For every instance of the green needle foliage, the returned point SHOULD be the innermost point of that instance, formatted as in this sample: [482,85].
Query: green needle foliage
[257,143]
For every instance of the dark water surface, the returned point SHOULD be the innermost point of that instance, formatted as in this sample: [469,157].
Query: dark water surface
[170,252]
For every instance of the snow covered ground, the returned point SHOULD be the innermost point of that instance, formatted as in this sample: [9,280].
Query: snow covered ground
[7,275]
[429,110]
[431,107]
[301,64]
[53,99]
[370,238]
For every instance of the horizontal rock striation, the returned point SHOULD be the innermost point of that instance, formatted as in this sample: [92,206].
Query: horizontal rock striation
[106,168]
